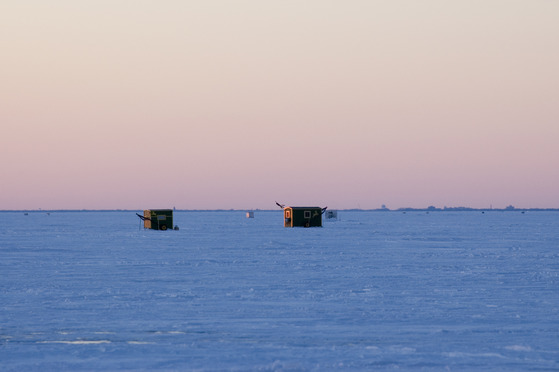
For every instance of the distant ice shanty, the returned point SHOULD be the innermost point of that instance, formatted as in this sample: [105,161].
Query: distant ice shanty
[302,216]
[158,219]
[250,214]
[331,215]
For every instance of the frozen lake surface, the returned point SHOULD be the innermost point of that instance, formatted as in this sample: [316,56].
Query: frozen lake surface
[371,291]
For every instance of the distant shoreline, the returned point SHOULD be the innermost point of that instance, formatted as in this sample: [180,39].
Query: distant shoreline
[385,210]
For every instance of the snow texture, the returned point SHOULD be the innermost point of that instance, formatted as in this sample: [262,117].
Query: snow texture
[371,291]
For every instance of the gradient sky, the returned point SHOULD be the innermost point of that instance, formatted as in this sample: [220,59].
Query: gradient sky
[112,104]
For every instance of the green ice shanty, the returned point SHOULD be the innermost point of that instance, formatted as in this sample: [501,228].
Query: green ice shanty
[302,216]
[158,219]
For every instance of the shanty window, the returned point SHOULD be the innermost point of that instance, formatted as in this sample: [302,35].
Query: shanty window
[287,214]
[307,214]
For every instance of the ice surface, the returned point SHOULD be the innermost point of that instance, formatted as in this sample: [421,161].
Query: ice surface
[371,291]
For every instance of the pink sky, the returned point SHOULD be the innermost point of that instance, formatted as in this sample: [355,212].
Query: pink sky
[236,104]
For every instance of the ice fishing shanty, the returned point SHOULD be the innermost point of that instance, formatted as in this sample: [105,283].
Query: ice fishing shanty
[157,219]
[302,216]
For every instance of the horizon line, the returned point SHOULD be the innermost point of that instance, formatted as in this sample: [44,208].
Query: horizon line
[403,209]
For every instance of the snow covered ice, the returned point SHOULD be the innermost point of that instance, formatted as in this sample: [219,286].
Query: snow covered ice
[371,291]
